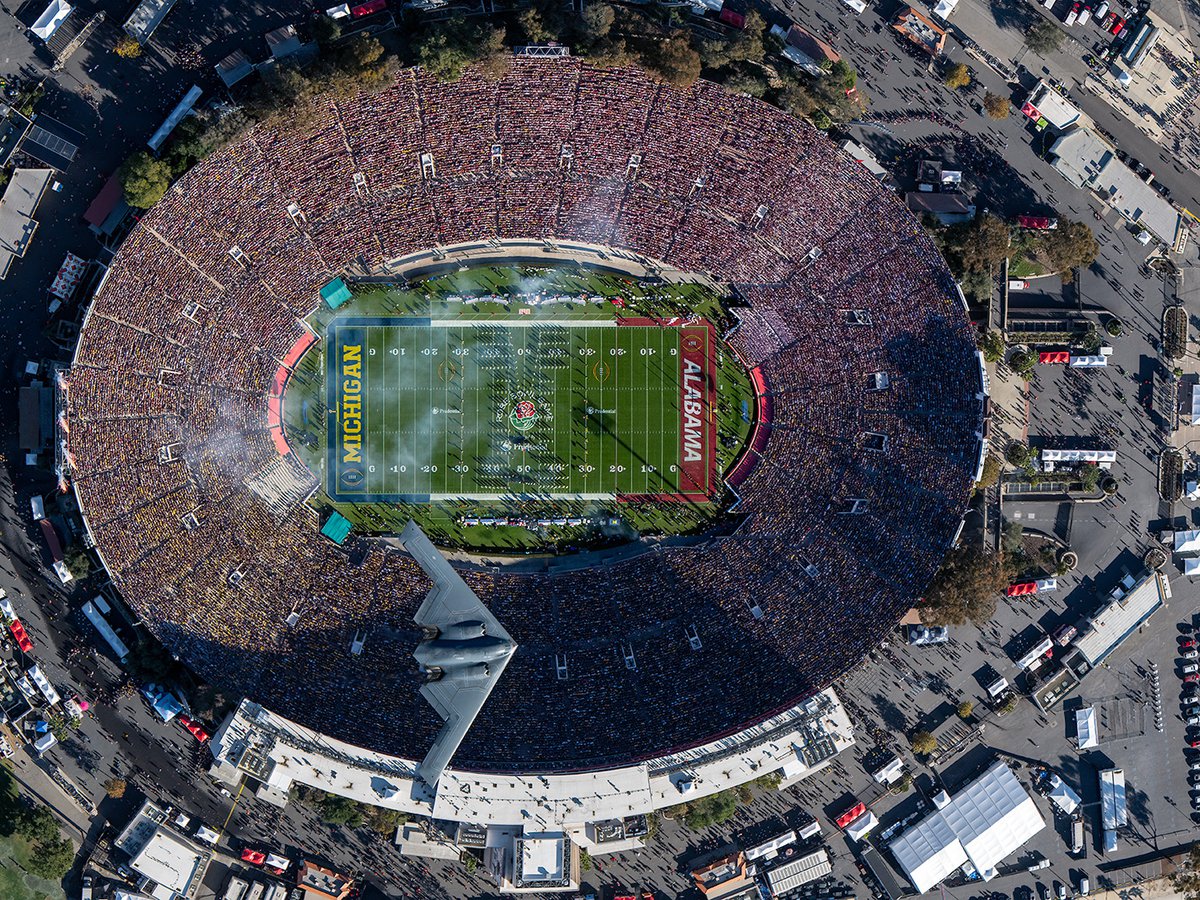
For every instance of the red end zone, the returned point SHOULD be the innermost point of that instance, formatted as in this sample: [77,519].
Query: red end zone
[697,411]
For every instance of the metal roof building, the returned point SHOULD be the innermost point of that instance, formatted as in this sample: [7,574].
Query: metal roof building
[1119,618]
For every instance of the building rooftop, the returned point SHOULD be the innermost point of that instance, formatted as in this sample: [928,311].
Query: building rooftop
[1087,160]
[1119,618]
[169,860]
[320,883]
[1047,103]
[17,206]
[921,30]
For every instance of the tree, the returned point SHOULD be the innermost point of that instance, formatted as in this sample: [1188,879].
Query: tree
[991,343]
[795,98]
[977,245]
[340,811]
[326,30]
[1022,362]
[1017,454]
[923,743]
[596,21]
[672,59]
[52,859]
[997,106]
[448,47]
[115,788]
[1043,37]
[1186,879]
[957,76]
[1070,245]
[711,810]
[533,26]
[990,474]
[144,179]
[78,563]
[965,709]
[585,861]
[965,588]
[127,47]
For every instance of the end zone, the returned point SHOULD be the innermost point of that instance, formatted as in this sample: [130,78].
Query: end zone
[697,411]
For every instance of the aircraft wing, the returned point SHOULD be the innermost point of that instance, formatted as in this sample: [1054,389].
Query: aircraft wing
[450,600]
[459,704]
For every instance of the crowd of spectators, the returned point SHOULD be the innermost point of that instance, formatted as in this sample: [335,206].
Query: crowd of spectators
[169,411]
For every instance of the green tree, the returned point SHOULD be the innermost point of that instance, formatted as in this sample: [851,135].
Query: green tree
[977,245]
[1017,454]
[796,98]
[1023,362]
[711,810]
[384,821]
[957,76]
[1186,878]
[596,22]
[326,30]
[52,859]
[1043,37]
[1070,245]
[446,48]
[996,105]
[991,472]
[965,588]
[341,811]
[747,83]
[585,861]
[79,564]
[991,343]
[923,743]
[671,58]
[533,26]
[144,179]
[965,709]
[37,824]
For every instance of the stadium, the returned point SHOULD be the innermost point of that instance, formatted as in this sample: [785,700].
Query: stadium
[865,432]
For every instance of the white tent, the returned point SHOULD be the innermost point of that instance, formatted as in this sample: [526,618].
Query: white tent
[1196,404]
[988,820]
[47,23]
[1187,542]
[1085,728]
[1192,489]
[1088,362]
[1062,796]
[944,8]
[1191,567]
[861,827]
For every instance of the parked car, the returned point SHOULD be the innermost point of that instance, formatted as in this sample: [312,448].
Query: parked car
[1196,801]
[1102,11]
[1194,743]
[1117,27]
[1187,644]
[1189,653]
[1073,15]
[1060,890]
[1085,16]
[1189,668]
[1043,891]
[1191,678]
[1085,886]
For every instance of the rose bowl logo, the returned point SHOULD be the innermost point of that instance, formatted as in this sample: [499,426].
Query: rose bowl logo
[351,478]
[523,416]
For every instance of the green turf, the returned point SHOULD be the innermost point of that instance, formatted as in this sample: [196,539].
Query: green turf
[442,403]
[484,301]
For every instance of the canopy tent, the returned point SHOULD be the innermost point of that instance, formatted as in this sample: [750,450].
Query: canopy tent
[1191,567]
[336,528]
[1062,796]
[861,827]
[1085,728]
[335,293]
[50,20]
[1187,542]
[988,820]
[1196,404]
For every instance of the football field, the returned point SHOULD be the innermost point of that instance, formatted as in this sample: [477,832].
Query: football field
[423,410]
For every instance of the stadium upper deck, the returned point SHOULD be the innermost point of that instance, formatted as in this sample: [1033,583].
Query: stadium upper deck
[872,410]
